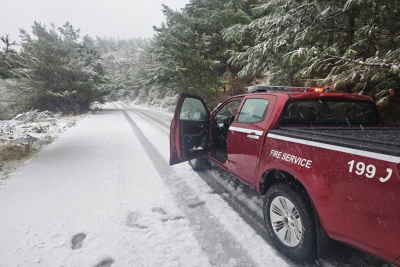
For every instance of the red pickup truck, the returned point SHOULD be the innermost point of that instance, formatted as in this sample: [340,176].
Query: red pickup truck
[327,167]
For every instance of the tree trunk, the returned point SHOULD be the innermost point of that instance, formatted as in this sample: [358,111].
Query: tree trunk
[331,27]
[351,24]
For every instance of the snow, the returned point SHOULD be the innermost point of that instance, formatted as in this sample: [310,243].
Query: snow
[94,196]
[39,125]
[30,131]
[155,97]
[94,180]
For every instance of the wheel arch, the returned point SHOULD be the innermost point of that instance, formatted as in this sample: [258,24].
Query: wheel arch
[273,176]
[326,246]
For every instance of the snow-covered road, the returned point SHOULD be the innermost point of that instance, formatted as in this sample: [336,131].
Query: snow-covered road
[103,194]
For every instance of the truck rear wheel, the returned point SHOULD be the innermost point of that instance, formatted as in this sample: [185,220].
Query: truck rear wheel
[290,221]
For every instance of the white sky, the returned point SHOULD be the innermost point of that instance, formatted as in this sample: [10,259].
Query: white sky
[117,18]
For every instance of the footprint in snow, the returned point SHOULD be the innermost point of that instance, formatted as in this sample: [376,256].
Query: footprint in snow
[171,218]
[165,218]
[105,263]
[196,205]
[76,241]
[132,220]
[159,210]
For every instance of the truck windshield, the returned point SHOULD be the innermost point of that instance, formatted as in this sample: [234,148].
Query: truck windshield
[339,112]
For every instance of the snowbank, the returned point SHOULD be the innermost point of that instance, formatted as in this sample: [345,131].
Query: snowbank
[155,97]
[26,134]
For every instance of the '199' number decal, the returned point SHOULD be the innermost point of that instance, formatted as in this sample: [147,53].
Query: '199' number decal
[369,170]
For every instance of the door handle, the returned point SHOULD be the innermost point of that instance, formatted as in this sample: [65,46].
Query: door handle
[253,136]
[200,125]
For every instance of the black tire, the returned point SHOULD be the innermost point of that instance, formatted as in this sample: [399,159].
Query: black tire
[199,164]
[301,248]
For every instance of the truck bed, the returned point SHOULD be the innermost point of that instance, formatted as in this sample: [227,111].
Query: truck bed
[382,140]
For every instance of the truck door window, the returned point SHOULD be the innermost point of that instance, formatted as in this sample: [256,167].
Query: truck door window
[193,109]
[253,110]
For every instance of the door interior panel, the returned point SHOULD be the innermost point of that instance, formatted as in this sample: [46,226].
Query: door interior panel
[189,130]
[194,138]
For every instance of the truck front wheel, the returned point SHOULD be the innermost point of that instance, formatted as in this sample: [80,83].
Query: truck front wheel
[199,164]
[290,221]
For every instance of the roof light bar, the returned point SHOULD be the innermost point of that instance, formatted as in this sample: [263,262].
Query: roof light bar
[316,90]
[267,88]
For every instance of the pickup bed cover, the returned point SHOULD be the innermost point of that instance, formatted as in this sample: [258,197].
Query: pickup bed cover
[379,140]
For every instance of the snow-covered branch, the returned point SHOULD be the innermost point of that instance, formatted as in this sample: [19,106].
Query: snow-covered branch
[386,65]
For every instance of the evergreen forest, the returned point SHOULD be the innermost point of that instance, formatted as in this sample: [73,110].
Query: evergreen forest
[215,49]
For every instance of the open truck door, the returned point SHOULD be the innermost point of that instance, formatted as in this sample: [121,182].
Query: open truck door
[189,130]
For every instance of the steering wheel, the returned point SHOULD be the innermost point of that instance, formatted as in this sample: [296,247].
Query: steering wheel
[230,119]
[225,122]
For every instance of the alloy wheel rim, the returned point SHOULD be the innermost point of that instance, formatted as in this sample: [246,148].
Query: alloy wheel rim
[286,221]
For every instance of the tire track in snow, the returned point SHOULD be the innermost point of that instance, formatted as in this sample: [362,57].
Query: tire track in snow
[207,229]
[148,114]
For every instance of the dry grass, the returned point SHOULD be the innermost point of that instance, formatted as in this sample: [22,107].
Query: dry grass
[11,157]
[11,152]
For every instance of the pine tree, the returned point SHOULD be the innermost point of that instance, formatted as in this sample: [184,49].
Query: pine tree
[11,64]
[65,73]
[344,45]
[190,49]
[279,26]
